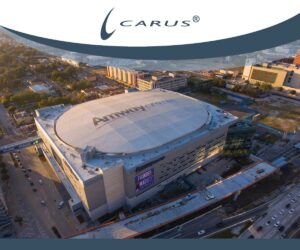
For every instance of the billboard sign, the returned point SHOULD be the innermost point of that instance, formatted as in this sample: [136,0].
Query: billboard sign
[144,180]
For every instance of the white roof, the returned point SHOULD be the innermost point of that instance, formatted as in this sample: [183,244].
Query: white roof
[130,123]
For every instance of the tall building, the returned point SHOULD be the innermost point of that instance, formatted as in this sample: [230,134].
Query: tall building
[297,59]
[125,76]
[128,147]
[239,139]
[276,74]
[170,81]
[6,225]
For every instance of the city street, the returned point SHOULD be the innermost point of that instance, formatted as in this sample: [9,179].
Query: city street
[206,225]
[280,216]
[35,192]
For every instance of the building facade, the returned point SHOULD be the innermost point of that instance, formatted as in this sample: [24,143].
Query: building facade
[170,81]
[278,75]
[129,146]
[125,76]
[297,60]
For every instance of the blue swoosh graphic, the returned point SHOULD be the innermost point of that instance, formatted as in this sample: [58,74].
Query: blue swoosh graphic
[104,34]
[274,36]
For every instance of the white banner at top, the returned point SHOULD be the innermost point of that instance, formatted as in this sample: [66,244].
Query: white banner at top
[141,22]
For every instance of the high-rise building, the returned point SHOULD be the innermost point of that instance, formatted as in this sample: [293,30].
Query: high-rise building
[169,81]
[124,76]
[297,59]
[276,74]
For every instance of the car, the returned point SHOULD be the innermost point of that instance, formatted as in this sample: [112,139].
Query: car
[60,204]
[220,224]
[277,224]
[274,217]
[260,171]
[260,228]
[40,181]
[34,190]
[209,196]
[268,223]
[290,194]
[43,202]
[293,200]
[288,205]
[201,232]
[291,211]
[281,211]
[283,236]
[281,228]
[31,183]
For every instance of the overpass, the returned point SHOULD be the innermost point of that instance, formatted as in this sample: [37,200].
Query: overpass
[20,144]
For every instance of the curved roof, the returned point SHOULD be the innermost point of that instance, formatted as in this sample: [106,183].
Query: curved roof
[130,123]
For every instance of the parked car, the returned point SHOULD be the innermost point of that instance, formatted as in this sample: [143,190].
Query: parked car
[60,204]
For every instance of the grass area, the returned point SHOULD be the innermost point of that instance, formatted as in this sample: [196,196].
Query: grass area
[282,124]
[225,234]
[281,115]
[229,233]
[213,98]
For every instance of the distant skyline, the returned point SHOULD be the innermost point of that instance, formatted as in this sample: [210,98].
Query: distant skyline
[271,54]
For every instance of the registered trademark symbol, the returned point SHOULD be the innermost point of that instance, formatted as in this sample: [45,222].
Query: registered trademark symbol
[196,19]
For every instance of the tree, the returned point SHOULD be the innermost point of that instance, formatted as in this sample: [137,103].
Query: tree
[19,219]
[280,89]
[11,109]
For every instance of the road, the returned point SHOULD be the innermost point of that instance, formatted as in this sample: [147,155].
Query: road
[208,222]
[280,216]
[23,201]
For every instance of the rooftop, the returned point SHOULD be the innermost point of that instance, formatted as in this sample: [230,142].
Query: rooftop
[125,124]
[160,105]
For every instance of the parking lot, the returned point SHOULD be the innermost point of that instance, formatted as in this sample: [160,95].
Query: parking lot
[35,193]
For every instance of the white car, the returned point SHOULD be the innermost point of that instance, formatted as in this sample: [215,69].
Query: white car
[268,223]
[292,211]
[274,217]
[277,224]
[60,204]
[201,232]
[209,196]
[40,181]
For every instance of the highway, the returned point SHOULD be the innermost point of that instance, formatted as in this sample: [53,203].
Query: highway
[280,216]
[210,222]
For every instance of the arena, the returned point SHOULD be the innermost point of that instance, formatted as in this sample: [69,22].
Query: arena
[118,151]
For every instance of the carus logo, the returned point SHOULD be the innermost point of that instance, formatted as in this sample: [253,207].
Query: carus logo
[131,23]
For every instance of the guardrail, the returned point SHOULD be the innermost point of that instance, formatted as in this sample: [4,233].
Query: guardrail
[19,145]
